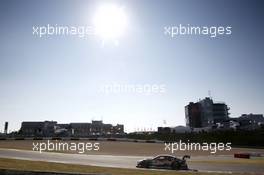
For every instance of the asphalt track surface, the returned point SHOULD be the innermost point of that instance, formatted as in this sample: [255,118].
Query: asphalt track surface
[128,161]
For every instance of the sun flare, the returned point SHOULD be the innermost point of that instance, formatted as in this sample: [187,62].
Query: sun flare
[110,22]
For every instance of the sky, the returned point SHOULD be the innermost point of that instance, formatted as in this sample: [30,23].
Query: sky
[59,77]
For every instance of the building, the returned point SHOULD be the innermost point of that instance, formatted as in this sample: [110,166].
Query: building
[97,127]
[45,129]
[205,113]
[243,122]
[80,129]
[193,115]
[181,129]
[253,118]
[250,121]
[52,128]
[164,130]
[6,128]
[177,129]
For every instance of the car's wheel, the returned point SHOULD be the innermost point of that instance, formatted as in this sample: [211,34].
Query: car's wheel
[175,166]
[184,167]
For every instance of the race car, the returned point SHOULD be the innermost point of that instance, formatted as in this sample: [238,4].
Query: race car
[164,162]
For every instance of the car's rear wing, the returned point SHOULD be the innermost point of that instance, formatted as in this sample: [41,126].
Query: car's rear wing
[186,157]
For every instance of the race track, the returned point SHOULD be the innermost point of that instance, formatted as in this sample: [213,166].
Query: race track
[128,161]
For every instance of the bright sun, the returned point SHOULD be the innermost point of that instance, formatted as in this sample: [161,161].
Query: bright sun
[110,22]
